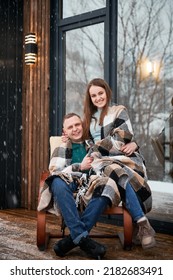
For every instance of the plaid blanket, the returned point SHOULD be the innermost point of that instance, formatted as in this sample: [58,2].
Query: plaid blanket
[117,124]
[111,169]
[119,169]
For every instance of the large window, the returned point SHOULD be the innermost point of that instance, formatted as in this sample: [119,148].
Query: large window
[145,76]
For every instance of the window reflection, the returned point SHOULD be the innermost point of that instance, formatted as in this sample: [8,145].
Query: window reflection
[76,7]
[145,72]
[84,60]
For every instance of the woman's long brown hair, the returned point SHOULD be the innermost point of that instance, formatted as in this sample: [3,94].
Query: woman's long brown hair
[90,109]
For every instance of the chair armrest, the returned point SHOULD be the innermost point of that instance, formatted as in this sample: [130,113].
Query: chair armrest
[43,177]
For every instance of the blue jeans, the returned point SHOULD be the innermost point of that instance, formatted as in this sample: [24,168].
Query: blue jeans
[79,225]
[132,204]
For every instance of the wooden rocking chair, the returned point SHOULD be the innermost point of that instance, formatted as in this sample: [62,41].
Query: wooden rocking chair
[43,236]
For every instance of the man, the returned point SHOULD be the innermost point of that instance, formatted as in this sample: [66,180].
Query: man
[63,192]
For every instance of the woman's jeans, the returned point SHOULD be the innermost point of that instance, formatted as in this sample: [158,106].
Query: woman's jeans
[132,204]
[80,225]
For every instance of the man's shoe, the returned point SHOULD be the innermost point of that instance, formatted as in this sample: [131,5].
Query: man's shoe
[62,247]
[92,248]
[146,234]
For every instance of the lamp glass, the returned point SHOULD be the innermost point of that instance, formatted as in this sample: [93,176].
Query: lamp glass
[30,48]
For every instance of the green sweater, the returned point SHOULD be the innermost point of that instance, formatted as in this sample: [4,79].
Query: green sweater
[78,152]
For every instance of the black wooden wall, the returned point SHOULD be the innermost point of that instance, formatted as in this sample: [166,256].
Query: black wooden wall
[11,45]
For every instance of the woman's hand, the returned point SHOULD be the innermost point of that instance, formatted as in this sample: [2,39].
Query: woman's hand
[64,137]
[129,148]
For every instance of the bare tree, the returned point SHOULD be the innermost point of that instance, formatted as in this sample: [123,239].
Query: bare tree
[145,34]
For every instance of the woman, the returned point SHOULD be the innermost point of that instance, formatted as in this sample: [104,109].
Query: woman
[110,129]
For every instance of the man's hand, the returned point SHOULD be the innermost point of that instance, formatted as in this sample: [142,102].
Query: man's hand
[86,163]
[129,148]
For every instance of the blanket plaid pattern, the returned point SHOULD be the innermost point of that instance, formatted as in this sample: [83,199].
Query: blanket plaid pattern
[111,169]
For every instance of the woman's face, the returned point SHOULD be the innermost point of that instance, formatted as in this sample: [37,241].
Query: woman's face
[98,96]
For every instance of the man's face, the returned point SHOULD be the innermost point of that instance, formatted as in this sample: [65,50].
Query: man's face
[73,129]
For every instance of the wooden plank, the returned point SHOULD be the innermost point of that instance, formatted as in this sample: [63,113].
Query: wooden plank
[18,240]
[35,102]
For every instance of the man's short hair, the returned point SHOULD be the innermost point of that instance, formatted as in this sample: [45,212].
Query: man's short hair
[70,115]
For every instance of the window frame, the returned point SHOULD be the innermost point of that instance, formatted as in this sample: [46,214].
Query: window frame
[58,29]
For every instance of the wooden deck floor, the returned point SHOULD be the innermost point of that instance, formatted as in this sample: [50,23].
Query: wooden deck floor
[18,241]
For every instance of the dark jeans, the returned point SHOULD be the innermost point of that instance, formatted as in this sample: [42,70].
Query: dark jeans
[79,225]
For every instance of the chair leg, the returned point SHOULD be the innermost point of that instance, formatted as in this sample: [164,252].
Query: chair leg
[128,230]
[126,236]
[63,227]
[42,235]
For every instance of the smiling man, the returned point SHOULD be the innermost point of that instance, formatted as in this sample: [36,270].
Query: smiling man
[71,157]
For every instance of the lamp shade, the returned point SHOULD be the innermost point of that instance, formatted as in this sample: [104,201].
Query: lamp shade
[30,48]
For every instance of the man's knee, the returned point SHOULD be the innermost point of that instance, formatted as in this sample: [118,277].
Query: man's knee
[58,186]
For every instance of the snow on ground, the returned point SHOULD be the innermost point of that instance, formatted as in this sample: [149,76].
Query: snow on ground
[162,200]
[159,186]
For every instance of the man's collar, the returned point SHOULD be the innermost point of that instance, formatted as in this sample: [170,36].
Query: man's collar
[79,142]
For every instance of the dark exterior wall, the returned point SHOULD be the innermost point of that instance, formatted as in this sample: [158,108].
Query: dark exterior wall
[35,115]
[24,102]
[11,33]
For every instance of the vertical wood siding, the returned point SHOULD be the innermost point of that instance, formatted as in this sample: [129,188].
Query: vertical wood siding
[35,138]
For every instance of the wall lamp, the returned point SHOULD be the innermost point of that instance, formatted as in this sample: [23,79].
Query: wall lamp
[148,69]
[30,48]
